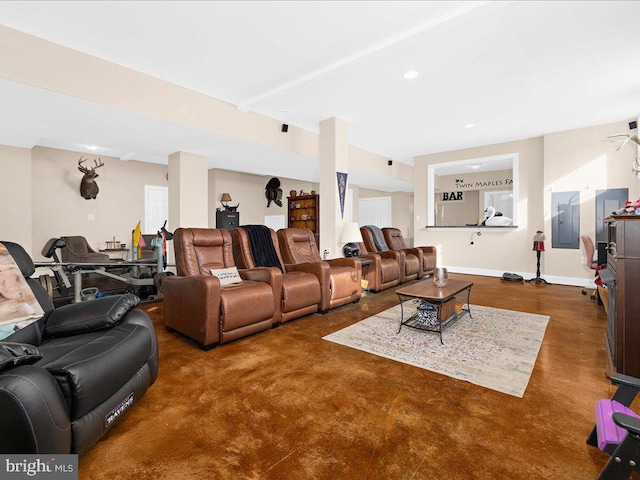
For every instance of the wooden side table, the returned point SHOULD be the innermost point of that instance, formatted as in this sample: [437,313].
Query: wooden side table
[366,267]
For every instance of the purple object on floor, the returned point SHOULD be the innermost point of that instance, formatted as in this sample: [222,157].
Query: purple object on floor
[608,432]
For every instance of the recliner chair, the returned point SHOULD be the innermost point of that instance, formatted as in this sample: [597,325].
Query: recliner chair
[197,306]
[78,250]
[66,378]
[340,278]
[409,262]
[395,241]
[301,292]
[384,272]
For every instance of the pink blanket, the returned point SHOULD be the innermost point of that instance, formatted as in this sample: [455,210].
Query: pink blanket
[18,305]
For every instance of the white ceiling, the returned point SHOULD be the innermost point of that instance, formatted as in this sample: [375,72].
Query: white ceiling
[514,69]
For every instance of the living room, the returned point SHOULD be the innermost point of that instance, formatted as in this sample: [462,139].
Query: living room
[62,96]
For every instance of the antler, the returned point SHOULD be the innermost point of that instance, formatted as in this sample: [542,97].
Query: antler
[85,169]
[80,167]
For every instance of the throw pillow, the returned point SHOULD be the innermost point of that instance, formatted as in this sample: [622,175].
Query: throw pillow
[227,276]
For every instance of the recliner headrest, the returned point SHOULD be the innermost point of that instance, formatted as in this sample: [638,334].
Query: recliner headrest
[378,238]
[21,257]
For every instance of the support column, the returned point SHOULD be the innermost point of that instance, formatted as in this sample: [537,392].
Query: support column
[334,157]
[188,191]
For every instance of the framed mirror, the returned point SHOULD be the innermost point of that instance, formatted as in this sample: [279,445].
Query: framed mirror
[474,192]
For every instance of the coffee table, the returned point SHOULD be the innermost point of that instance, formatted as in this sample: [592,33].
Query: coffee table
[426,293]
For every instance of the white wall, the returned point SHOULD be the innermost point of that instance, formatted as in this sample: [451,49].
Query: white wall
[15,196]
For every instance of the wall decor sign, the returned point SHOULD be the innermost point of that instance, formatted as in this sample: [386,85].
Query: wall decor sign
[452,197]
[475,185]
[342,189]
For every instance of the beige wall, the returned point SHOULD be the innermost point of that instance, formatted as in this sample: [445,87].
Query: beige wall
[74,73]
[249,191]
[401,210]
[583,160]
[496,251]
[59,210]
[188,190]
[15,196]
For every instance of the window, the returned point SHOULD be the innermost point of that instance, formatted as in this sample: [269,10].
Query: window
[458,193]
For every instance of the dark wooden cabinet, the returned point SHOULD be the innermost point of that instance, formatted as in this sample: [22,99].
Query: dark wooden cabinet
[623,283]
[304,212]
[227,219]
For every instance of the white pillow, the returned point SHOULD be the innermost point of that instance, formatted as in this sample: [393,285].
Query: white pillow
[227,276]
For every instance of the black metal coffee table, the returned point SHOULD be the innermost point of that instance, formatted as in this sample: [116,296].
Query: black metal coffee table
[426,292]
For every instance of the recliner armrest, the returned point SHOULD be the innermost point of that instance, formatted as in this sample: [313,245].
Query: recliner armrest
[346,262]
[15,354]
[392,254]
[428,249]
[88,316]
[270,275]
[34,414]
[192,307]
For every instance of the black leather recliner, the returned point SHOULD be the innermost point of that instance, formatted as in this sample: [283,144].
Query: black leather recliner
[66,378]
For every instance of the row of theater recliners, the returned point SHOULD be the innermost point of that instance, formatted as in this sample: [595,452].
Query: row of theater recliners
[281,277]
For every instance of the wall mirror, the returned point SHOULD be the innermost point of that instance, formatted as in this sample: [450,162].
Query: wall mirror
[474,192]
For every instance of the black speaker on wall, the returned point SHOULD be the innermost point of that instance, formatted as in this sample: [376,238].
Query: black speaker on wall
[285,128]
[633,125]
[389,162]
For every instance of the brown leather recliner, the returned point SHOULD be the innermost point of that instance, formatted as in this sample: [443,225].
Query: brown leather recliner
[394,239]
[197,306]
[301,292]
[409,260]
[340,278]
[384,272]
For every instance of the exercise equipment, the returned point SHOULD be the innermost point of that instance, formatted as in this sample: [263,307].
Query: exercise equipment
[617,429]
[142,277]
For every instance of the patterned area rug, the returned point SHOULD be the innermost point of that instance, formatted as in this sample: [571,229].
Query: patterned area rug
[496,349]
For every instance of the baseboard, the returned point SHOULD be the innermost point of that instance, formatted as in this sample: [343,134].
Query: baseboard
[575,281]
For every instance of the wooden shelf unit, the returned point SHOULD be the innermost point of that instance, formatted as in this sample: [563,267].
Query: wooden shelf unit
[304,212]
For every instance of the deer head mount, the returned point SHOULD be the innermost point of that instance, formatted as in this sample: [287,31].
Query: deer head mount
[88,187]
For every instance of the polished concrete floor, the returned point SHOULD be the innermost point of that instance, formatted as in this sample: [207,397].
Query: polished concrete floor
[287,404]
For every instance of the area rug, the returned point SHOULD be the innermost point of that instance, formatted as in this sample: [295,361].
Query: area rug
[496,349]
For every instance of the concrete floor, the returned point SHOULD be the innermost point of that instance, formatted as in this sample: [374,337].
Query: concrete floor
[286,404]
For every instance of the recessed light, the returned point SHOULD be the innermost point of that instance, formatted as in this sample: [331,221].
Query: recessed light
[476,166]
[410,75]
[470,125]
[93,148]
[284,110]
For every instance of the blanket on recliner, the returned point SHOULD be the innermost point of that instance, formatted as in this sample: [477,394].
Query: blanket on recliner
[378,238]
[18,304]
[262,248]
